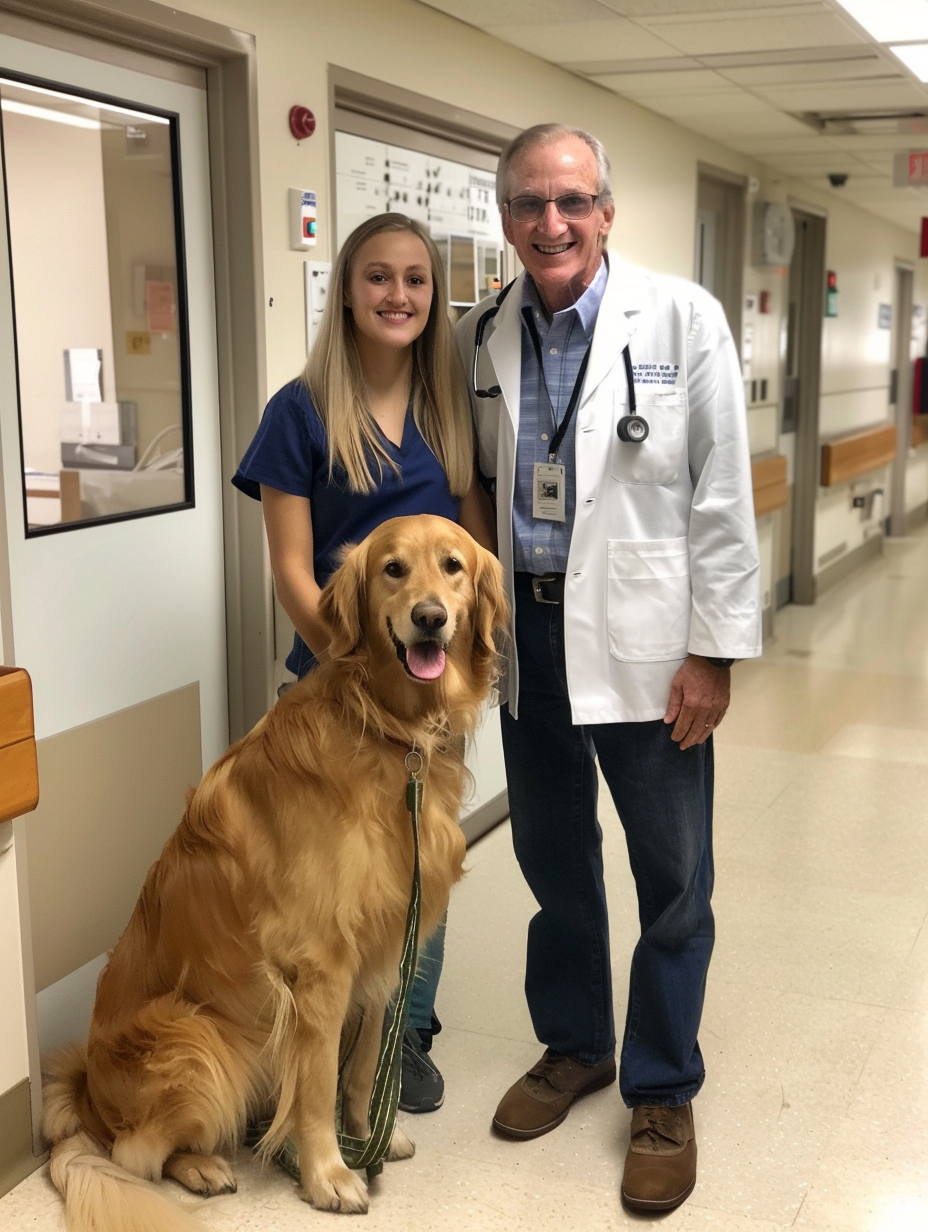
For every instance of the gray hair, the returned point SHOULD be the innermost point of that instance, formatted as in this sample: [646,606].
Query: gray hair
[548,134]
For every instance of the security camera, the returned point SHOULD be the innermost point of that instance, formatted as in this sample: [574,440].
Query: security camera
[837,179]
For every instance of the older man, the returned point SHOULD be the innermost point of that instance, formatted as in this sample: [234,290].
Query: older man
[610,418]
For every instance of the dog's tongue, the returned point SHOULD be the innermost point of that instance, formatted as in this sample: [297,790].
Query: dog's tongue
[426,660]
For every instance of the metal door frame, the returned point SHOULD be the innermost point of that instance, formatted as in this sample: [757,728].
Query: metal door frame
[902,386]
[807,462]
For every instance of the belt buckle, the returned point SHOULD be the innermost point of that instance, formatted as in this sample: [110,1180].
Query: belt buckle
[538,588]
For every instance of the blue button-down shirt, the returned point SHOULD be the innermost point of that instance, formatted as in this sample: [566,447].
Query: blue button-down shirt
[540,546]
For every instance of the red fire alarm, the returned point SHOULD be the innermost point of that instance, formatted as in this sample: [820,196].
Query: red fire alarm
[302,122]
[923,246]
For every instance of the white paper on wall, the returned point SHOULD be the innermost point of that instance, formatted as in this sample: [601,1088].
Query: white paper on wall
[448,197]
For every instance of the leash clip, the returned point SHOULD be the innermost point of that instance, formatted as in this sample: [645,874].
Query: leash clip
[413,764]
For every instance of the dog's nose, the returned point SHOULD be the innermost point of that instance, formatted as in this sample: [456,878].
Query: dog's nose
[429,615]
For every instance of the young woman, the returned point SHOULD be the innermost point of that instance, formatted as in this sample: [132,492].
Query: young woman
[377,426]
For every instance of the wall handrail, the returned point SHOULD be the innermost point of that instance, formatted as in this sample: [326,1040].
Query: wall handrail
[769,480]
[19,771]
[857,453]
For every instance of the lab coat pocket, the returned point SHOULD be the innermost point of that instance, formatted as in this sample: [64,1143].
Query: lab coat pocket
[662,455]
[648,599]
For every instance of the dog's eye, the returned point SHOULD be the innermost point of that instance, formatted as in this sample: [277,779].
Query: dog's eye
[453,565]
[393,569]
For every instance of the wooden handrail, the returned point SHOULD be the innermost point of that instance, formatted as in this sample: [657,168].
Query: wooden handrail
[19,771]
[846,457]
[768,476]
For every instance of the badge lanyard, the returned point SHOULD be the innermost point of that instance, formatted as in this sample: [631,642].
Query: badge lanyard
[548,495]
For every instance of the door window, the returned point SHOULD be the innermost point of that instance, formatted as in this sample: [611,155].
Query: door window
[98,284]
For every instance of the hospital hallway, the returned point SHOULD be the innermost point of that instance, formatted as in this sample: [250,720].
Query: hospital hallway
[816,1024]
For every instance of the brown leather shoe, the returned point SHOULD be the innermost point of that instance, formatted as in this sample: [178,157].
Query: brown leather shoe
[660,1167]
[541,1099]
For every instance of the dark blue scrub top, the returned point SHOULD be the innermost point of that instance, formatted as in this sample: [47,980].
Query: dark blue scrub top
[290,453]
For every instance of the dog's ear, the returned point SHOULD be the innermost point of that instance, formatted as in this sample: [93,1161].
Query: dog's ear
[491,620]
[342,599]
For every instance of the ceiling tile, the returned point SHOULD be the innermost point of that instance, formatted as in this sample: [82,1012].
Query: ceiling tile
[575,40]
[684,106]
[791,55]
[736,124]
[893,142]
[743,32]
[671,64]
[484,13]
[655,8]
[758,145]
[823,164]
[816,71]
[691,81]
[856,97]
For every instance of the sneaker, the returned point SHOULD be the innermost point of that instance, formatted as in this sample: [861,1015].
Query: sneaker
[422,1088]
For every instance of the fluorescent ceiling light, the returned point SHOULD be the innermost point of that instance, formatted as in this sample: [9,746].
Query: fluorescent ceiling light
[46,113]
[90,102]
[915,57]
[890,21]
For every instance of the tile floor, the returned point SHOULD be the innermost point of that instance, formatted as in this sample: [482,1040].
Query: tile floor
[816,1024]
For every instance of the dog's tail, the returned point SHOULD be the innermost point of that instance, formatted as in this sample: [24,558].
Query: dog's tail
[99,1196]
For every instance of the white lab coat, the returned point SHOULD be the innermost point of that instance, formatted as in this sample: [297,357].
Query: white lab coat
[663,557]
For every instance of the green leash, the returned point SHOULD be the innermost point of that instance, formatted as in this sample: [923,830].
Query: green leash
[370,1153]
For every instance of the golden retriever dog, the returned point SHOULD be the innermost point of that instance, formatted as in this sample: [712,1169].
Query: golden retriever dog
[270,929]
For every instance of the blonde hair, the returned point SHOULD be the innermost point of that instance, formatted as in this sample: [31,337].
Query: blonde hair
[334,380]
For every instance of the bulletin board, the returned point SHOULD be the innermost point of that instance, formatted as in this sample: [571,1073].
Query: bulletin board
[456,202]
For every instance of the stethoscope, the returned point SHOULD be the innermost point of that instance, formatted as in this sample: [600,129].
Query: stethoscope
[632,427]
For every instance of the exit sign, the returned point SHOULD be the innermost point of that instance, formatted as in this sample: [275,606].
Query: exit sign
[910,169]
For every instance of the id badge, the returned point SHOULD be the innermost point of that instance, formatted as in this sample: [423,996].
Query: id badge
[548,498]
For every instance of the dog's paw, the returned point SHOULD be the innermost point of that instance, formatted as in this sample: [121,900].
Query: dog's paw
[401,1146]
[201,1174]
[341,1190]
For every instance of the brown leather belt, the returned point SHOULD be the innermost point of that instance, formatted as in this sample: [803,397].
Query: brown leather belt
[548,587]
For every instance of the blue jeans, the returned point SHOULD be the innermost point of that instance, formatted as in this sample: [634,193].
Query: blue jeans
[664,799]
[425,985]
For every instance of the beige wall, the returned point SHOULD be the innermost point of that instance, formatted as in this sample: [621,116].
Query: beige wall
[655,171]
[60,279]
[655,164]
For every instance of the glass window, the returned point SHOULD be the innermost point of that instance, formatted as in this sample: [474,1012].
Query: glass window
[97,267]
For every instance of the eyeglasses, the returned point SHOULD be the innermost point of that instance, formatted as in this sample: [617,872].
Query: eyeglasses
[572,206]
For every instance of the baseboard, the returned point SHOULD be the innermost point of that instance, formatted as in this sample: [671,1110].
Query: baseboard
[766,623]
[484,819]
[16,1157]
[847,564]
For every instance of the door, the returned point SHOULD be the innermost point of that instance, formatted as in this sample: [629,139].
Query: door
[110,489]
[799,436]
[719,246]
[900,394]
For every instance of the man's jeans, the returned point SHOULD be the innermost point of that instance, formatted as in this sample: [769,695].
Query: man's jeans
[664,799]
